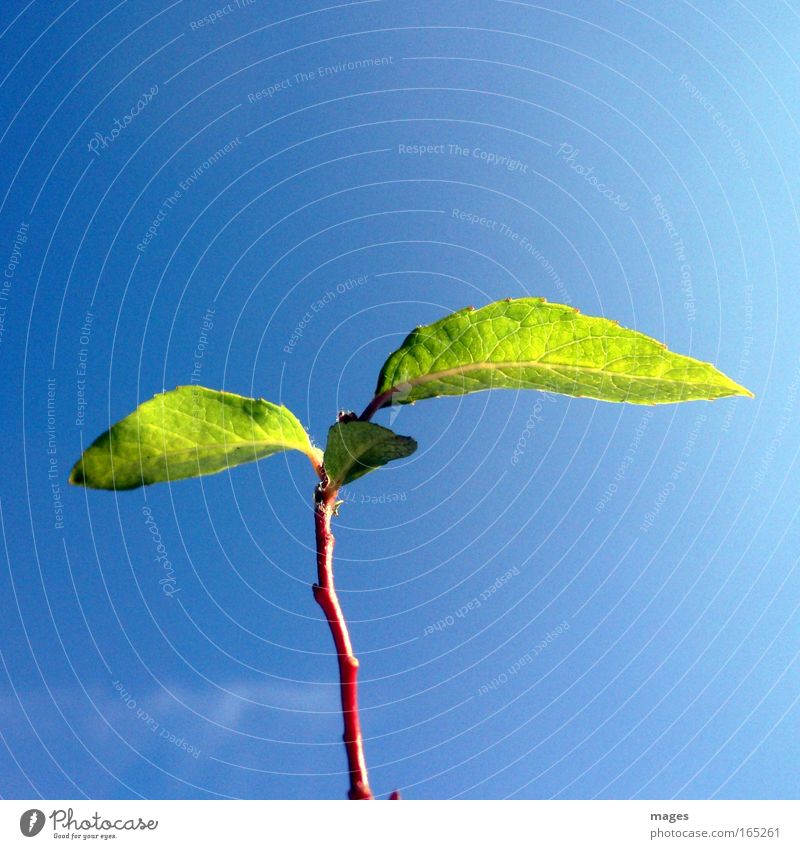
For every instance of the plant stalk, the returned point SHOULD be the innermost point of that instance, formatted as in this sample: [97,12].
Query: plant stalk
[376,403]
[325,595]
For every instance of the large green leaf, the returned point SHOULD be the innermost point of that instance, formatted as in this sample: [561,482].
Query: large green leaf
[529,344]
[185,433]
[355,448]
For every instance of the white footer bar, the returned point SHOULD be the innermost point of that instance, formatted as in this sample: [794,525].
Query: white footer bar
[407,824]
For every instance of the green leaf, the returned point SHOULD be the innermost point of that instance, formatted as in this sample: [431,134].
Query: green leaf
[529,344]
[185,433]
[355,448]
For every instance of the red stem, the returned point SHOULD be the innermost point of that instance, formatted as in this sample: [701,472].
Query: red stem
[325,595]
[376,403]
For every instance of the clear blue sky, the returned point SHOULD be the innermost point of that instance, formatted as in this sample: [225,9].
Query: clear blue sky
[552,597]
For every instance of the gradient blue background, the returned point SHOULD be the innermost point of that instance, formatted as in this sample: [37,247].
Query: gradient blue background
[678,673]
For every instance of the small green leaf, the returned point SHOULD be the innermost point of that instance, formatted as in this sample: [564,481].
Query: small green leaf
[185,433]
[355,448]
[529,344]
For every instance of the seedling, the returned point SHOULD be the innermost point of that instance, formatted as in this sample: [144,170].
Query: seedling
[524,343]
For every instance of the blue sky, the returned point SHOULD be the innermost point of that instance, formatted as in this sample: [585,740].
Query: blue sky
[553,597]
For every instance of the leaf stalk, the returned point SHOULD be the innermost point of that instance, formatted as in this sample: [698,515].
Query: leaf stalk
[325,596]
[376,403]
